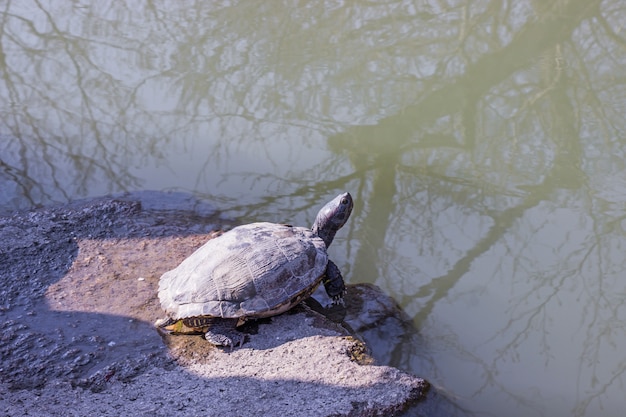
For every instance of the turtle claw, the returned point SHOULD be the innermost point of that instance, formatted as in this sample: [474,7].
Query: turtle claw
[339,301]
[240,341]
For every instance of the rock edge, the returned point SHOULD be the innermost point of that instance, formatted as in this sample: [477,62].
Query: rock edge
[299,363]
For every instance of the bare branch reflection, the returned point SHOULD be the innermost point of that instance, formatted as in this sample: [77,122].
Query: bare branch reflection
[483,142]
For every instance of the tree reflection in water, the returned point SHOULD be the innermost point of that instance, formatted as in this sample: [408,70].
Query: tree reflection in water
[483,142]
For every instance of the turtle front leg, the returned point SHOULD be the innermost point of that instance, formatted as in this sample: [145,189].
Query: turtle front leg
[333,283]
[223,332]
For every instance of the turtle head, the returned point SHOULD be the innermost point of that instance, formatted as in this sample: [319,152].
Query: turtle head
[332,216]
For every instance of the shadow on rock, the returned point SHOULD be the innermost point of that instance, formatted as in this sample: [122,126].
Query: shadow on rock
[79,283]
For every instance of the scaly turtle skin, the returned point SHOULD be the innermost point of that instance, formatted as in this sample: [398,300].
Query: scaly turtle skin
[252,271]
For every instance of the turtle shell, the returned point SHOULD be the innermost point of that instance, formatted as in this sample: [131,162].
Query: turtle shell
[254,270]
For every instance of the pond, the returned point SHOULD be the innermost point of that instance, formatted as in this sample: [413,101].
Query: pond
[483,142]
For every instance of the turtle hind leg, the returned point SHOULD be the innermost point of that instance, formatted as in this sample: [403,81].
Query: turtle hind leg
[223,332]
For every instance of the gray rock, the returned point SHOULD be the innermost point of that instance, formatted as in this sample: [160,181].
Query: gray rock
[77,302]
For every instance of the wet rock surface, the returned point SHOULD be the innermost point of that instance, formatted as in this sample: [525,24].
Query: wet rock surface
[77,302]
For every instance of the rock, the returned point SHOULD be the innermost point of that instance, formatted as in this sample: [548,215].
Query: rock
[78,301]
[371,315]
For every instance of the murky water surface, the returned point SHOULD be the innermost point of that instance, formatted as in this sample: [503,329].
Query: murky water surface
[482,141]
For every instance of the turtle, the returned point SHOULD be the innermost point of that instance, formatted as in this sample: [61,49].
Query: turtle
[252,271]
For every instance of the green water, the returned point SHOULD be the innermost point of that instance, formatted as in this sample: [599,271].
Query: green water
[484,144]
